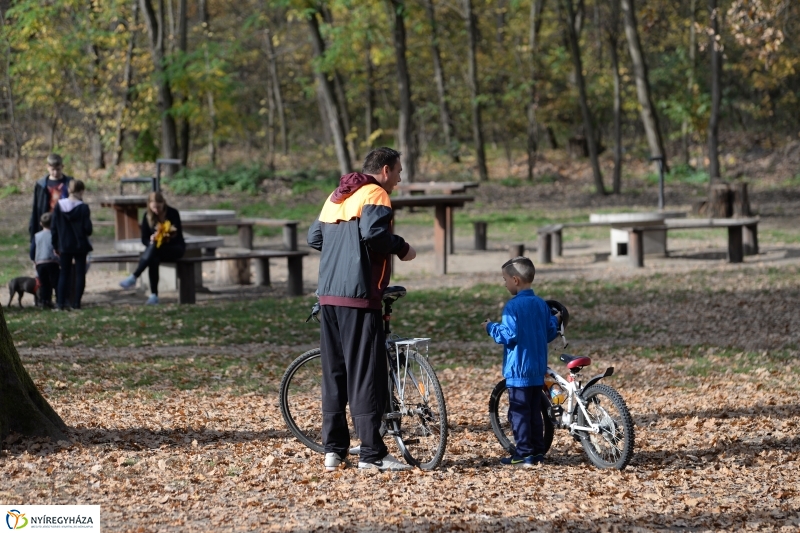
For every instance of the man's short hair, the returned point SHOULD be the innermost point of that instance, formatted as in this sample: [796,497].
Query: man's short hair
[54,160]
[378,158]
[76,186]
[521,267]
[44,220]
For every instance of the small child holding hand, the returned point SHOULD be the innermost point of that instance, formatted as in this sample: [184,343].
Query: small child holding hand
[527,327]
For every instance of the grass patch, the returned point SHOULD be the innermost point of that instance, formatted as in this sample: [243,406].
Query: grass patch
[8,190]
[680,174]
[14,259]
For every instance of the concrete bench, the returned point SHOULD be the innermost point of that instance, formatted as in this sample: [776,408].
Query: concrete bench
[742,236]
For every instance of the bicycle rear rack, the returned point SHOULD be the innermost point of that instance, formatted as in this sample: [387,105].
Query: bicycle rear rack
[403,348]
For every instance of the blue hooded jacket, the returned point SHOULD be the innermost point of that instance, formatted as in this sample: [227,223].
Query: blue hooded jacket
[526,328]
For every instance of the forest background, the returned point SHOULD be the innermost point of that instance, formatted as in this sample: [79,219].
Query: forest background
[283,85]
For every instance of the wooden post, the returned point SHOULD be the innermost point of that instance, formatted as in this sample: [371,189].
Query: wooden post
[735,249]
[233,272]
[545,247]
[636,247]
[556,239]
[440,239]
[295,281]
[290,236]
[516,250]
[739,199]
[720,201]
[480,235]
[750,239]
[186,294]
[262,272]
[246,236]
[451,246]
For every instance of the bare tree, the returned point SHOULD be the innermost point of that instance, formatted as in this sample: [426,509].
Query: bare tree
[12,120]
[127,84]
[474,89]
[571,23]
[612,31]
[277,94]
[183,47]
[326,91]
[647,109]
[370,124]
[716,90]
[405,130]
[450,142]
[157,34]
[537,6]
[685,133]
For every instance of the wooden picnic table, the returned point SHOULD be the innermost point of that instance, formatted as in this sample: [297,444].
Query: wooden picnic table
[126,215]
[443,205]
[446,187]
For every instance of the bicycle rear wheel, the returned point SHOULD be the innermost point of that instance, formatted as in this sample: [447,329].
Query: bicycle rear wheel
[301,399]
[613,446]
[421,429]
[501,426]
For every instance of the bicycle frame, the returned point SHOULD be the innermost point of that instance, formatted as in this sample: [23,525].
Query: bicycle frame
[574,401]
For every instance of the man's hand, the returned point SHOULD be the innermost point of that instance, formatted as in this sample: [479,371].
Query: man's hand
[484,324]
[411,254]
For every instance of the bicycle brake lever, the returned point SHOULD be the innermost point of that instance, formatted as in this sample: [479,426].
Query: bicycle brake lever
[314,312]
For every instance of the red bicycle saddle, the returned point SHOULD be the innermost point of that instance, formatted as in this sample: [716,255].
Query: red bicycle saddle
[575,361]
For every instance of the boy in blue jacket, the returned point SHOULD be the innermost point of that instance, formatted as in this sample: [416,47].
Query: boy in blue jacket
[526,328]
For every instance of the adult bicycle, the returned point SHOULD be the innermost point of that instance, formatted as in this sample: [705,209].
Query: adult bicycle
[415,417]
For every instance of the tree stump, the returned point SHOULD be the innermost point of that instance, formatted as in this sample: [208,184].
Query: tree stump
[480,235]
[739,200]
[233,272]
[719,201]
[516,250]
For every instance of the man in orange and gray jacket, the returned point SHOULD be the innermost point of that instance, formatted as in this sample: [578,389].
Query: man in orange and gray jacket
[354,234]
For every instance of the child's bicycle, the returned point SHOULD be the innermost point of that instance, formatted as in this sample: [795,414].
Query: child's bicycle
[595,414]
[416,416]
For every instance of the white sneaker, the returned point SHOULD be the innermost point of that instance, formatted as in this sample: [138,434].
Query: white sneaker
[333,461]
[128,282]
[152,300]
[388,464]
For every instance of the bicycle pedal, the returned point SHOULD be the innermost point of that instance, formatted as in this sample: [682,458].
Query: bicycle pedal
[392,416]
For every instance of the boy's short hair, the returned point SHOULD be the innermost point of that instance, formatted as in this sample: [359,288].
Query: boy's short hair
[44,220]
[54,160]
[76,186]
[378,158]
[521,267]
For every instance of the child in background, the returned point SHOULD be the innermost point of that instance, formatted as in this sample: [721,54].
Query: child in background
[71,227]
[527,327]
[46,261]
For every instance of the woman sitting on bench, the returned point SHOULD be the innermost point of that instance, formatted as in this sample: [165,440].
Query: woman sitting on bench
[163,237]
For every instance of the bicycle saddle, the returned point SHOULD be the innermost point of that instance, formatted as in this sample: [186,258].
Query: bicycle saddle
[393,293]
[575,361]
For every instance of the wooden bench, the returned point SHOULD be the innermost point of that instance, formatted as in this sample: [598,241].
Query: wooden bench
[187,286]
[245,229]
[550,238]
[742,236]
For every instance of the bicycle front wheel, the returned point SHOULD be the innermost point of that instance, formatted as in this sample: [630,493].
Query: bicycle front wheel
[501,426]
[301,399]
[421,429]
[613,446]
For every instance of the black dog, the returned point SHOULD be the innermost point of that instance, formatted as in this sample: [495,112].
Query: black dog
[20,286]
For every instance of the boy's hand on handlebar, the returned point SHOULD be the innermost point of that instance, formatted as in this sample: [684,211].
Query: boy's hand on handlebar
[411,254]
[484,324]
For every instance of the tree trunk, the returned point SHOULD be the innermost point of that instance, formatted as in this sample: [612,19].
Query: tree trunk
[716,91]
[325,88]
[474,89]
[23,409]
[685,132]
[647,109]
[369,99]
[156,31]
[451,144]
[127,85]
[16,172]
[537,7]
[96,152]
[212,109]
[276,90]
[405,130]
[613,44]
[182,45]
[588,127]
